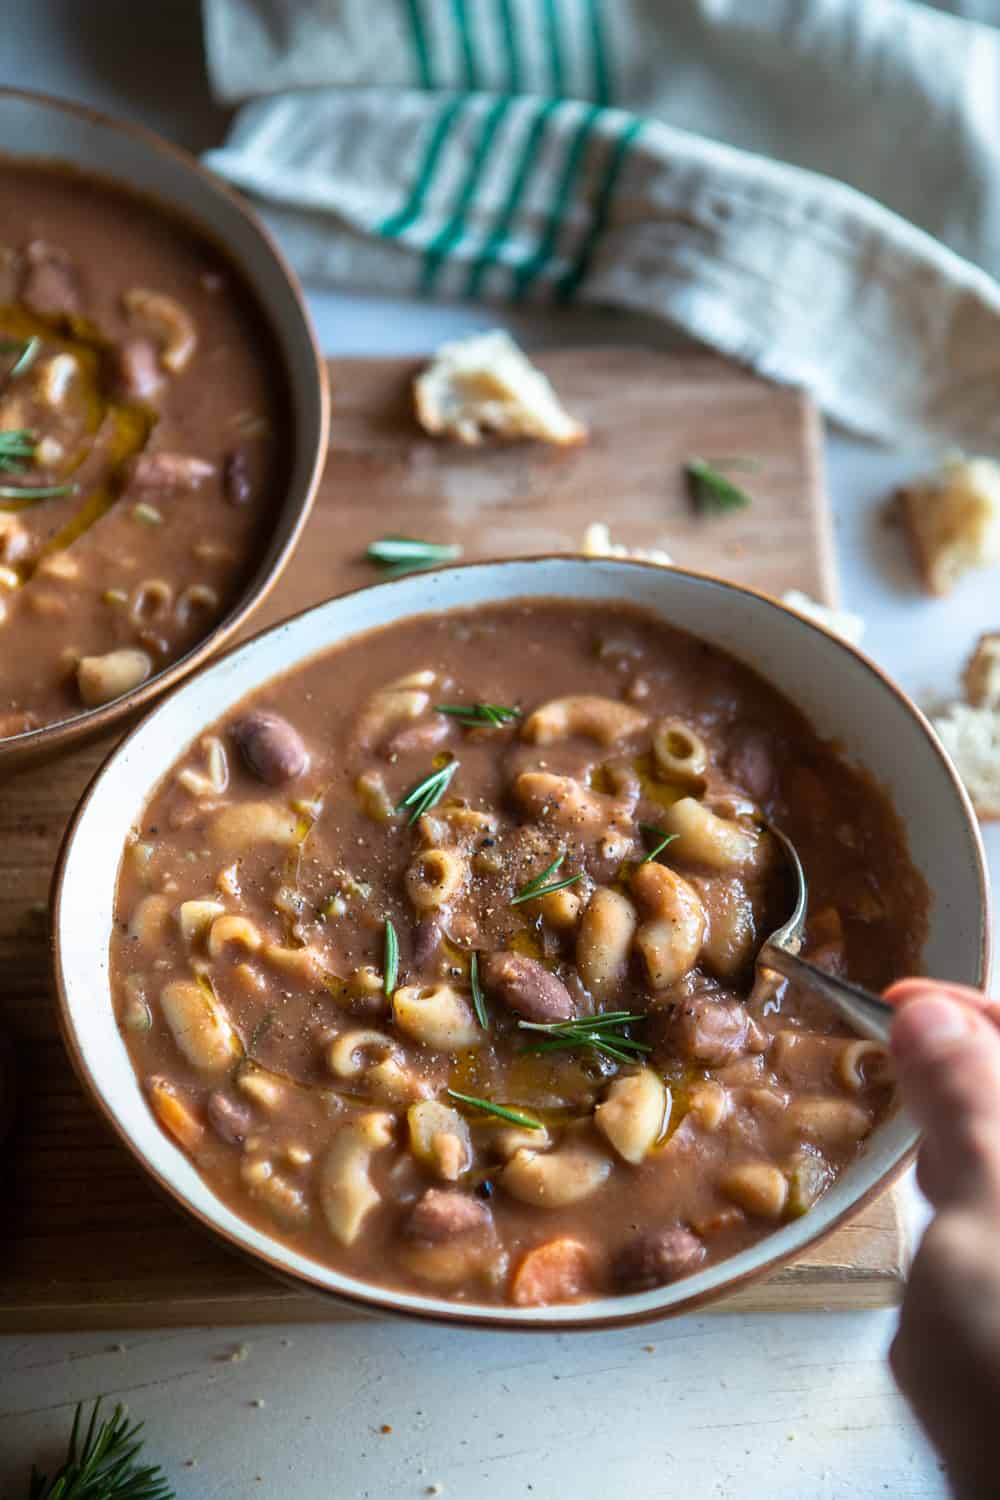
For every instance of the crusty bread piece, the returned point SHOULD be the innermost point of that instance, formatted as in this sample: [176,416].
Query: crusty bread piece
[971,737]
[953,521]
[485,383]
[840,621]
[981,678]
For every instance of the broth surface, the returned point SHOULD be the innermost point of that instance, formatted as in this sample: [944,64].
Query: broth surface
[141,439]
[312,1075]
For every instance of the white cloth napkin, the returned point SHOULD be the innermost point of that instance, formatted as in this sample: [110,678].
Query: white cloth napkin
[811,186]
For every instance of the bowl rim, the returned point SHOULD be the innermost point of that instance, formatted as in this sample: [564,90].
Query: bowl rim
[383,1301]
[52,739]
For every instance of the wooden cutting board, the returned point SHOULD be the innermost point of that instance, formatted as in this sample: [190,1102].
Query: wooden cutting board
[85,1241]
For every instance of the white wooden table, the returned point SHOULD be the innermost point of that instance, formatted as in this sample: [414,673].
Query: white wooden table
[796,1407]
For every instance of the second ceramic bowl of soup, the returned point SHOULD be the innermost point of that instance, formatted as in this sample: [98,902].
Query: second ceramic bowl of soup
[843,697]
[170,418]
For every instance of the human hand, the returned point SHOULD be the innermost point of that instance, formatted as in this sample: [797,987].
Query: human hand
[946,1355]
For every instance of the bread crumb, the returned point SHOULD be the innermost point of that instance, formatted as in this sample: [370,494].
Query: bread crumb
[385,1428]
[649,1348]
[435,1489]
[239,1354]
[981,677]
[952,520]
[485,383]
[596,542]
[849,627]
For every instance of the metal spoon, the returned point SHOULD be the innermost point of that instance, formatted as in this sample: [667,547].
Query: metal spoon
[868,1014]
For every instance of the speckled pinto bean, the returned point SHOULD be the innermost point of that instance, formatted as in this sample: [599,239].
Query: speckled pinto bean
[271,748]
[527,988]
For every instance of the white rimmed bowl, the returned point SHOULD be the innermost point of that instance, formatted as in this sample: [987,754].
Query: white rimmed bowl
[842,693]
[35,127]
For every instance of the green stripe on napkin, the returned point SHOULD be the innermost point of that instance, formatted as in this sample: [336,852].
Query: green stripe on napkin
[494,246]
[396,223]
[452,231]
[569,283]
[530,270]
[420,46]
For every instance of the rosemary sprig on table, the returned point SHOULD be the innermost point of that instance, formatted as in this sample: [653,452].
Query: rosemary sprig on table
[27,351]
[499,1110]
[407,554]
[537,887]
[390,962]
[473,714]
[605,1033]
[710,491]
[17,449]
[663,840]
[478,998]
[102,1465]
[420,798]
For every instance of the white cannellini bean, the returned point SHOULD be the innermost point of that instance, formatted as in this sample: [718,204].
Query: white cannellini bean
[634,1114]
[199,1024]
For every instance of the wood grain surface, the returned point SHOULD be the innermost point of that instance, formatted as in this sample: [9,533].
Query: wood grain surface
[86,1241]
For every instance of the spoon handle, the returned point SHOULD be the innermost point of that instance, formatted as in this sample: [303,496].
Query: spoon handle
[867,1013]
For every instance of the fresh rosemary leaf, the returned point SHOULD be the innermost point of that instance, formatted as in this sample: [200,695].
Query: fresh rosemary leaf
[537,887]
[420,798]
[663,840]
[406,554]
[35,492]
[603,1033]
[17,447]
[711,492]
[474,714]
[499,1110]
[390,963]
[478,998]
[27,351]
[102,1466]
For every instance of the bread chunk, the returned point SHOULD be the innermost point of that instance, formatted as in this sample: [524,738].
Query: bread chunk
[953,521]
[486,384]
[971,737]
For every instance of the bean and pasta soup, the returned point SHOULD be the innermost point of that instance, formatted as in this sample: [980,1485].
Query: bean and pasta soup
[436,955]
[139,453]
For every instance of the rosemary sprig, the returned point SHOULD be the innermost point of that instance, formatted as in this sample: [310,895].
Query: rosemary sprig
[604,1033]
[17,449]
[537,887]
[103,1465]
[27,351]
[35,491]
[499,1110]
[478,998]
[664,840]
[474,714]
[710,491]
[407,554]
[390,962]
[420,798]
